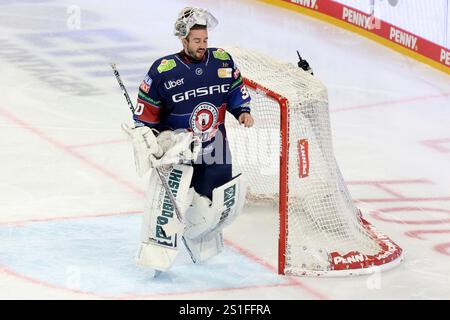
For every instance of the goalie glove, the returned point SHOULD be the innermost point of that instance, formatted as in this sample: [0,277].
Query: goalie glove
[145,147]
[178,147]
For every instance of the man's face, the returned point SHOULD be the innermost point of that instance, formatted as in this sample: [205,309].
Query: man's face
[196,43]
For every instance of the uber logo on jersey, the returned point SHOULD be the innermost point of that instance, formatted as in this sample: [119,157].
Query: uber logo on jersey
[200,92]
[173,83]
[204,120]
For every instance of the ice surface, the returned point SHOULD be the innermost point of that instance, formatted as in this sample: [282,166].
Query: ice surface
[70,201]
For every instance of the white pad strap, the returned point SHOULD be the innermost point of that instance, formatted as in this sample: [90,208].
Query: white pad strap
[205,247]
[205,217]
[160,232]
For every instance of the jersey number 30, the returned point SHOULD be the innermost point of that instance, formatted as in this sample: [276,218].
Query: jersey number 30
[244,92]
[139,109]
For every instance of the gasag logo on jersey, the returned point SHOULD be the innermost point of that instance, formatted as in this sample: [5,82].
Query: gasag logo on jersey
[200,92]
[224,72]
[166,65]
[173,83]
[204,120]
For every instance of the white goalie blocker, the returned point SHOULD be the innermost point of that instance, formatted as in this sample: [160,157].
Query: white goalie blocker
[203,219]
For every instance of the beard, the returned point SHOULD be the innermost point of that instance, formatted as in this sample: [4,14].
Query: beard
[197,55]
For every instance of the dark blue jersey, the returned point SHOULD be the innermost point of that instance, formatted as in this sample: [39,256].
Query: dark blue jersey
[179,93]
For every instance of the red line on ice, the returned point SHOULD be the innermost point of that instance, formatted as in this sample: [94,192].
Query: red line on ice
[96,144]
[71,151]
[291,281]
[118,179]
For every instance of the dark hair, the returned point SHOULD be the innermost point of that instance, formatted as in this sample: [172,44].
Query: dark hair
[198,27]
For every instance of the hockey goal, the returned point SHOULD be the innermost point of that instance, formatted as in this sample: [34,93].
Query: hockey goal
[287,156]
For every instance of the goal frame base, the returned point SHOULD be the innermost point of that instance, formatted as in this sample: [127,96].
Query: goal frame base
[348,272]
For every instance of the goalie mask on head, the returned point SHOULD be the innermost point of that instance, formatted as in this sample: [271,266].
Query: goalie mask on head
[190,16]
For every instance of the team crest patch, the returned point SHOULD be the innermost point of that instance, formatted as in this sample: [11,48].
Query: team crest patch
[221,55]
[224,72]
[204,120]
[166,65]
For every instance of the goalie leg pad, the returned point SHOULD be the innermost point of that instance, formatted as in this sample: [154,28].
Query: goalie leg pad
[205,247]
[160,231]
[204,216]
[155,256]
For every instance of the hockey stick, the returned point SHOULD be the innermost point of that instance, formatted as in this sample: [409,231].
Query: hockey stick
[161,177]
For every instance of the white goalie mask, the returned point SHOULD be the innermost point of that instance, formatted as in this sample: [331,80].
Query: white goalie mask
[190,16]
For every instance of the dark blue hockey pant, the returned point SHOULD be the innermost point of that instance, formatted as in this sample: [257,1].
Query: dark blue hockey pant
[208,177]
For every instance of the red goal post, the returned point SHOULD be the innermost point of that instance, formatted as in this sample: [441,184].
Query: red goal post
[284,139]
[321,232]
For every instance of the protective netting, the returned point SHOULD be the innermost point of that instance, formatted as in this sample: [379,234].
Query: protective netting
[325,231]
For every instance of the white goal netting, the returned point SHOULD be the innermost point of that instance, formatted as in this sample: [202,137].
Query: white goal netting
[323,233]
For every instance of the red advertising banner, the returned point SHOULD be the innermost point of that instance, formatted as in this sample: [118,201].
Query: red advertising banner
[393,34]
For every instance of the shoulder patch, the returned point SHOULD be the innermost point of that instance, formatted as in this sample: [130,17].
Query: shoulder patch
[144,87]
[221,54]
[166,65]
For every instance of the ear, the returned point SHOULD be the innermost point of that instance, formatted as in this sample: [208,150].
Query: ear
[185,42]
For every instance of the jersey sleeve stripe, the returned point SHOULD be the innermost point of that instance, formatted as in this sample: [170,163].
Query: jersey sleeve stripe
[236,84]
[150,113]
[155,103]
[151,124]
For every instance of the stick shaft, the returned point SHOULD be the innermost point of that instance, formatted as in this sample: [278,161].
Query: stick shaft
[124,90]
